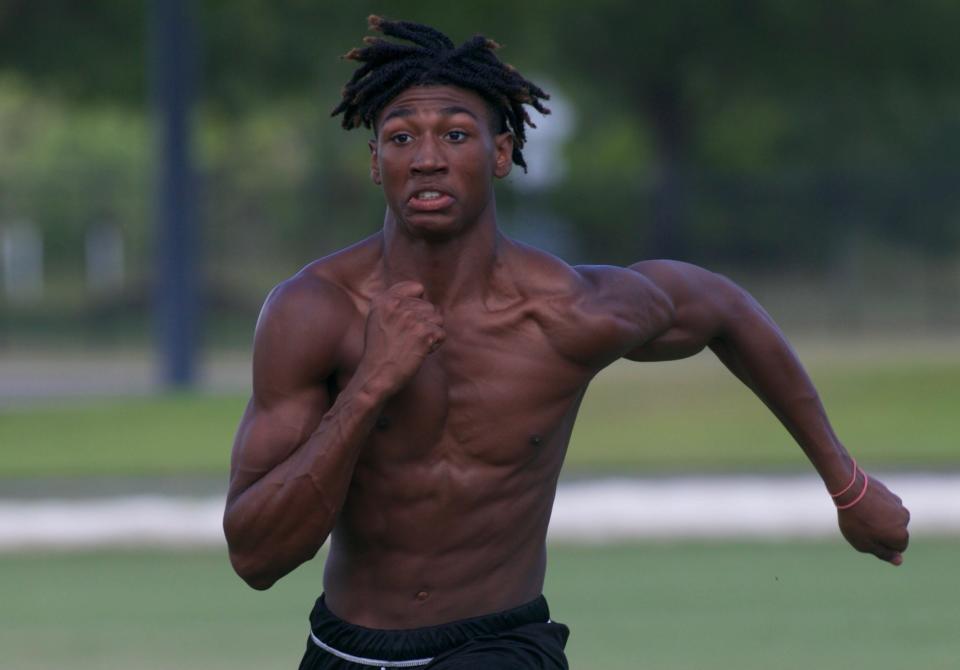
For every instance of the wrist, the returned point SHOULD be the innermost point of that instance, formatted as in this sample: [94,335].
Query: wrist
[837,472]
[854,491]
[851,479]
[369,389]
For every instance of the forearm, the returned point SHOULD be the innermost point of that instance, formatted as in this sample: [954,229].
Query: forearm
[752,346]
[283,517]
[710,310]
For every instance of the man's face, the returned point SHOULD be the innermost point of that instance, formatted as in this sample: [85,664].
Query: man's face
[436,156]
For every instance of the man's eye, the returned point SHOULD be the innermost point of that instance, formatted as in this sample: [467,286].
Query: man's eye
[401,138]
[457,135]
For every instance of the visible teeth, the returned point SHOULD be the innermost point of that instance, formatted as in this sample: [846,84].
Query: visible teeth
[428,195]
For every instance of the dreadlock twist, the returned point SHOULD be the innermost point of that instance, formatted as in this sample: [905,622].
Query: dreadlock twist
[389,68]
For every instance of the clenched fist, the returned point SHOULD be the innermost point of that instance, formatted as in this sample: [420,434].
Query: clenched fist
[402,329]
[877,524]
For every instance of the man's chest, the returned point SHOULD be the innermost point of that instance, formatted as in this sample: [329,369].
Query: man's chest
[491,382]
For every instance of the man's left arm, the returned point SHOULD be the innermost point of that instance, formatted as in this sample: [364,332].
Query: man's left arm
[711,311]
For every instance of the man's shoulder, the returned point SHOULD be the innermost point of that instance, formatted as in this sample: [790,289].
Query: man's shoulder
[591,313]
[590,294]
[642,276]
[605,277]
[549,274]
[306,319]
[543,274]
[327,284]
[305,293]
[313,310]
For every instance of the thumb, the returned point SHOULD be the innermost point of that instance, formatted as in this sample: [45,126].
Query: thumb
[407,289]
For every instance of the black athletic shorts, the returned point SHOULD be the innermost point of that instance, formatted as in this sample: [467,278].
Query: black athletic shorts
[522,638]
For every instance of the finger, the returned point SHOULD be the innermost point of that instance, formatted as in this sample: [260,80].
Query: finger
[436,339]
[425,330]
[419,306]
[420,320]
[438,334]
[888,555]
[899,542]
[409,289]
[434,319]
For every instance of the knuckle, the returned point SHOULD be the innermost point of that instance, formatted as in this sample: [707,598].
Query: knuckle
[883,552]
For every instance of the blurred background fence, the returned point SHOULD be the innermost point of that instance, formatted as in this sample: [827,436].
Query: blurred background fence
[808,149]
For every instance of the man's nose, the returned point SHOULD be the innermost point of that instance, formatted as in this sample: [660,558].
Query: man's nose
[429,157]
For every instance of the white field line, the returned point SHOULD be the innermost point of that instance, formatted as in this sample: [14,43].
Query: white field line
[734,507]
[588,512]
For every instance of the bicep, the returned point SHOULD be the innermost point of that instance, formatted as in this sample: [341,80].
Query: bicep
[270,432]
[295,353]
[702,302]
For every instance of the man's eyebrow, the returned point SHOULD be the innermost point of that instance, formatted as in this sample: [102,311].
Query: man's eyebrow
[401,112]
[397,112]
[455,109]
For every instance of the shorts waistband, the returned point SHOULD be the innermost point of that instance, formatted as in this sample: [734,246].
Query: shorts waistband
[416,646]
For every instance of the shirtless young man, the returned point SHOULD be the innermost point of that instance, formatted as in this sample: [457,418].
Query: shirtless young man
[414,393]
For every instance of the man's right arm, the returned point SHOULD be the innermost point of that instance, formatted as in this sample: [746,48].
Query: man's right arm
[295,452]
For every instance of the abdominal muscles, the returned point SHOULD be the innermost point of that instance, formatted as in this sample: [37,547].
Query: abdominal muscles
[437,532]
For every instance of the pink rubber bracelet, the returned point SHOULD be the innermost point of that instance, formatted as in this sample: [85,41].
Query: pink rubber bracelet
[848,486]
[866,483]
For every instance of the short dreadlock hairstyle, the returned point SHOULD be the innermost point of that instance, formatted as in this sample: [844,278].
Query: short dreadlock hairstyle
[389,68]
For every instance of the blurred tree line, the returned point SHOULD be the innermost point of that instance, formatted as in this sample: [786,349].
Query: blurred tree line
[761,134]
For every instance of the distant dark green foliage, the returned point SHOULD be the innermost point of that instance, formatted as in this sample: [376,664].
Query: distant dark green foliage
[762,133]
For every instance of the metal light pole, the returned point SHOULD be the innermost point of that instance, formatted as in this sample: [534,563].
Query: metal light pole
[173,87]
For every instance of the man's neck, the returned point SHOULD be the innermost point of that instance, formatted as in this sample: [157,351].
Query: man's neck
[452,270]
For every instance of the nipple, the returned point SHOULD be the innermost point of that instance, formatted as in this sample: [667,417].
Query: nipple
[422,595]
[383,423]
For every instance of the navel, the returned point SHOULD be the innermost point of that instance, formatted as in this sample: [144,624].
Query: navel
[422,596]
[536,440]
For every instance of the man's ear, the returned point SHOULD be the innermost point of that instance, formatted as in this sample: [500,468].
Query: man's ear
[504,155]
[374,164]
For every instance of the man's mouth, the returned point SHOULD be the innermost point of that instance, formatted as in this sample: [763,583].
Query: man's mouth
[429,200]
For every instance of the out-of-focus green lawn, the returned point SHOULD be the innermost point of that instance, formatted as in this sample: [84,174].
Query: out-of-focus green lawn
[669,606]
[182,433]
[679,606]
[891,410]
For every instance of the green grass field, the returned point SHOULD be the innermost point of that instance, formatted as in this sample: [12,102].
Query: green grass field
[656,606]
[892,409]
